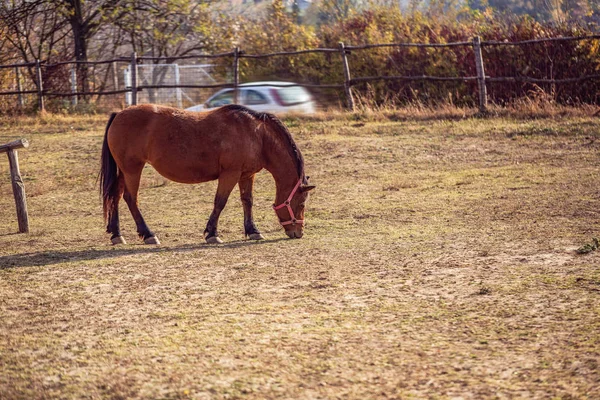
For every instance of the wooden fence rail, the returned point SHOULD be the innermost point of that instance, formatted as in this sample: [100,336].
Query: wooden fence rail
[344,50]
[17,182]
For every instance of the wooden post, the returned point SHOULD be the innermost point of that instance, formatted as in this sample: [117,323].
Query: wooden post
[40,86]
[74,85]
[480,74]
[236,74]
[90,85]
[17,182]
[178,90]
[347,86]
[115,76]
[19,87]
[134,82]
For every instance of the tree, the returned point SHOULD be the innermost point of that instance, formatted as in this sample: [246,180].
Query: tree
[557,11]
[325,12]
[165,28]
[33,28]
[33,32]
[45,29]
[85,18]
[7,51]
[43,23]
[279,33]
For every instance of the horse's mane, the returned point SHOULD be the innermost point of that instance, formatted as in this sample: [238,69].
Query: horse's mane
[284,134]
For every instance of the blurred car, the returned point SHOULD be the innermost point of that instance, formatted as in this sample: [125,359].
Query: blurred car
[273,97]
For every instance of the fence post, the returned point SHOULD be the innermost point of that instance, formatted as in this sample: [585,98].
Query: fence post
[19,87]
[236,74]
[134,82]
[17,182]
[480,74]
[74,85]
[178,90]
[115,76]
[40,85]
[347,86]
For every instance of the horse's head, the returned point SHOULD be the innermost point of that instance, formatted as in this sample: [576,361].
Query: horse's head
[291,211]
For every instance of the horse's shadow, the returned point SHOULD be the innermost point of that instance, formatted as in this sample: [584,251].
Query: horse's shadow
[43,258]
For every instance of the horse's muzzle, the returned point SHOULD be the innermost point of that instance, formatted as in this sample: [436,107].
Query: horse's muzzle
[294,234]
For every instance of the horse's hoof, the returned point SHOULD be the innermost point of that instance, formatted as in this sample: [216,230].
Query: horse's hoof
[118,240]
[256,236]
[214,240]
[152,240]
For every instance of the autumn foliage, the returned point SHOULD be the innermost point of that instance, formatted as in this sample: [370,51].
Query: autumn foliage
[186,28]
[547,60]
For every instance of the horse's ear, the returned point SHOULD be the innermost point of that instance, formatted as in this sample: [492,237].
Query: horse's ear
[307,188]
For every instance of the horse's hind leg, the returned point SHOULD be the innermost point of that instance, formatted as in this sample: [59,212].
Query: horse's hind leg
[132,185]
[227,181]
[246,184]
[113,215]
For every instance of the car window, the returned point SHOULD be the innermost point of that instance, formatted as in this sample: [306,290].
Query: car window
[254,98]
[221,99]
[293,95]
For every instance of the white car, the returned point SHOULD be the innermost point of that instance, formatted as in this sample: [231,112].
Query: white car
[273,97]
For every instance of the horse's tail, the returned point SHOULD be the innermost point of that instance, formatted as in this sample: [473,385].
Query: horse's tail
[109,182]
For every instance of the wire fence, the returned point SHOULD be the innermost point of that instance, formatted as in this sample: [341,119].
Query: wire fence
[480,67]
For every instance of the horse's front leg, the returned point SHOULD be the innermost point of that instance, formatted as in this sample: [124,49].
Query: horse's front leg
[227,181]
[246,184]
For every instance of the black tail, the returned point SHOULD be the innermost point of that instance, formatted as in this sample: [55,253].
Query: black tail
[109,183]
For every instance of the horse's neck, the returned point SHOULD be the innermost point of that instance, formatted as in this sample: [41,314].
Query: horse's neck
[282,166]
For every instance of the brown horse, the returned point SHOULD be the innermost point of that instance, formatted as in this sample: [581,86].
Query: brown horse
[231,144]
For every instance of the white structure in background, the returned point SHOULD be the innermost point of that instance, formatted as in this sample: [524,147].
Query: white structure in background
[271,96]
[172,75]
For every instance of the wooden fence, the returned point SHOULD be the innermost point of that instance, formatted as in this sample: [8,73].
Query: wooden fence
[17,182]
[343,50]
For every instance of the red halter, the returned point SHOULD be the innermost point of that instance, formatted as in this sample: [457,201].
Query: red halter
[293,220]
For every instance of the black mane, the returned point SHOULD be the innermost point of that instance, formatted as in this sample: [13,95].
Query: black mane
[280,128]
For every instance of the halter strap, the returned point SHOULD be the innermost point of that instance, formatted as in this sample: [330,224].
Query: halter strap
[286,203]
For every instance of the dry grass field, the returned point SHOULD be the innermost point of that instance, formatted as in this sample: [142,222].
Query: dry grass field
[438,262]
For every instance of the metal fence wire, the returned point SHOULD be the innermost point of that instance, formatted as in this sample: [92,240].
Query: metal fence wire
[169,84]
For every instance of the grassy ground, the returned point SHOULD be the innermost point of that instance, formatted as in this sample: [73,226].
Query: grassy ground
[438,262]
